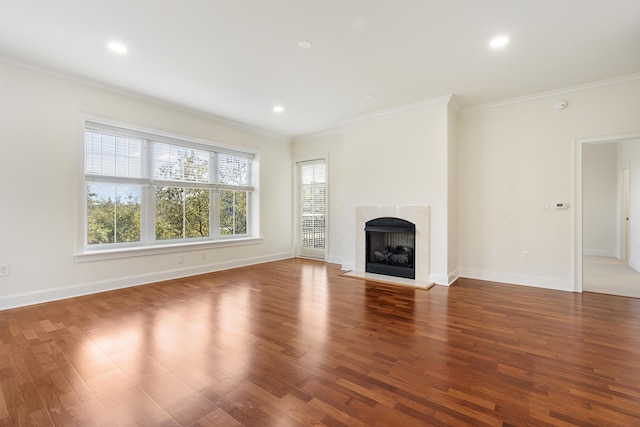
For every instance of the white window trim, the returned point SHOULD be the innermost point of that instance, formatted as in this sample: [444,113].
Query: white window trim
[133,251]
[318,254]
[84,253]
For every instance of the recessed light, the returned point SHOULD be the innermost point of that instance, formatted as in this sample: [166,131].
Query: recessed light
[278,109]
[117,47]
[304,44]
[499,42]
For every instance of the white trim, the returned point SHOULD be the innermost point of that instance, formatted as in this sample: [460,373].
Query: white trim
[148,245]
[453,276]
[72,291]
[134,251]
[440,279]
[443,100]
[519,279]
[348,265]
[577,221]
[160,134]
[310,137]
[298,250]
[454,105]
[609,253]
[570,90]
[75,80]
[334,260]
[577,232]
[421,284]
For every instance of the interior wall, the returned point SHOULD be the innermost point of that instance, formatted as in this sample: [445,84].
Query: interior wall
[399,159]
[514,156]
[327,146]
[39,218]
[600,199]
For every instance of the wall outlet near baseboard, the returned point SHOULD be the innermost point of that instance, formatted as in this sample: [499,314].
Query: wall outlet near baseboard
[526,256]
[4,270]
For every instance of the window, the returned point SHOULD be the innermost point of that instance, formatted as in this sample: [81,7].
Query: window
[143,189]
[312,208]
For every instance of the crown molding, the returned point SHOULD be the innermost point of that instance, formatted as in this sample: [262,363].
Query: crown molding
[570,90]
[311,136]
[607,138]
[83,82]
[454,105]
[443,100]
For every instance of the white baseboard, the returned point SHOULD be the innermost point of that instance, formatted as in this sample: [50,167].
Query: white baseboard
[453,276]
[439,279]
[64,292]
[348,266]
[600,252]
[334,260]
[519,279]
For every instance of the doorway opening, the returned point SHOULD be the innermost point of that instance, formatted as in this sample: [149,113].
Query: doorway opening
[312,209]
[607,201]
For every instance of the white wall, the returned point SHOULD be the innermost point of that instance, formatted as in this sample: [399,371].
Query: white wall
[328,147]
[400,158]
[600,199]
[38,187]
[513,156]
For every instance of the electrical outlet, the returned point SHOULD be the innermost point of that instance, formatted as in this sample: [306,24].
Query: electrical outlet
[4,270]
[180,259]
[526,255]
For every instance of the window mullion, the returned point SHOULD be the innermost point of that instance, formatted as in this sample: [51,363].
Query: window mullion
[148,216]
[233,212]
[214,204]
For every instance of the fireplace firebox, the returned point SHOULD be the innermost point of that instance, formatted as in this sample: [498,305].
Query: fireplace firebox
[390,247]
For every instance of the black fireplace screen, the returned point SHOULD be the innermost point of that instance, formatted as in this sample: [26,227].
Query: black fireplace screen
[390,247]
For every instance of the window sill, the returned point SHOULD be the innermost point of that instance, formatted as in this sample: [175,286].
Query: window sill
[100,255]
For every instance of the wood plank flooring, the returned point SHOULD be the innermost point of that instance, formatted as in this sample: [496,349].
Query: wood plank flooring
[295,343]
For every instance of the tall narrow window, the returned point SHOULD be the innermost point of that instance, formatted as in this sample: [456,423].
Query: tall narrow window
[312,212]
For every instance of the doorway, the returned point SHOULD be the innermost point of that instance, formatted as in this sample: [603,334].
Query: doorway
[606,243]
[312,209]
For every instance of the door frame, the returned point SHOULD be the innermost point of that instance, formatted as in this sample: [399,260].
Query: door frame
[623,214]
[578,146]
[296,204]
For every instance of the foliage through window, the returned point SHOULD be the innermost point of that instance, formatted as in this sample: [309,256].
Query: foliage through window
[143,189]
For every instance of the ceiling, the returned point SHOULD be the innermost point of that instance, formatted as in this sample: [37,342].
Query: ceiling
[237,59]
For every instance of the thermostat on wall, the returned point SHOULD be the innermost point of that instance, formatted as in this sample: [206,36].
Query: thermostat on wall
[561,205]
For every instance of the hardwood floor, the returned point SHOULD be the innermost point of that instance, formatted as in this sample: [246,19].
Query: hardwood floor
[294,343]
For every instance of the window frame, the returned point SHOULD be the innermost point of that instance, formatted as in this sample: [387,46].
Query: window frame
[148,243]
[301,250]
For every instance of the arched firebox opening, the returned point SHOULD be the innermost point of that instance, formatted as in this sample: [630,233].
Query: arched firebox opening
[390,247]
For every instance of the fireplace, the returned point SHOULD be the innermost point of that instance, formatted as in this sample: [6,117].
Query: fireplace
[415,214]
[390,247]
